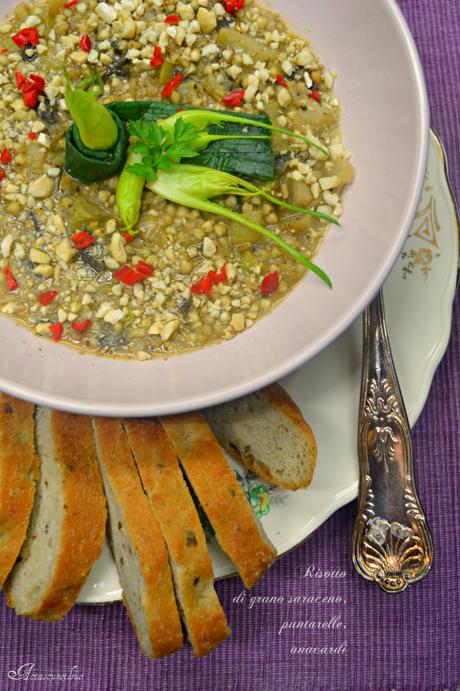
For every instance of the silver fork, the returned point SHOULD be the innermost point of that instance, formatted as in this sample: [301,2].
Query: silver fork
[392,543]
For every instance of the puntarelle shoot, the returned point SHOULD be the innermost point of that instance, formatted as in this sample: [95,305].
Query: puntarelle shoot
[194,187]
[96,126]
[203,119]
[129,191]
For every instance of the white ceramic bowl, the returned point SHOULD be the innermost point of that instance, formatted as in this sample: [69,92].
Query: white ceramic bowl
[385,124]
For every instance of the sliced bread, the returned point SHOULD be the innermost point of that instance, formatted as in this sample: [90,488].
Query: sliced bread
[19,472]
[266,432]
[138,545]
[67,526]
[237,530]
[175,511]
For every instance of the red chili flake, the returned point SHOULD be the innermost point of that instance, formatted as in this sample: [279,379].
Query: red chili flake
[234,5]
[2,175]
[56,331]
[222,275]
[128,237]
[81,326]
[172,85]
[82,240]
[281,80]
[4,51]
[48,297]
[180,110]
[315,95]
[202,287]
[30,94]
[158,58]
[32,136]
[11,282]
[38,80]
[270,283]
[144,268]
[85,43]
[71,3]
[205,285]
[32,87]
[26,36]
[20,80]
[128,275]
[172,19]
[6,156]
[234,98]
[219,276]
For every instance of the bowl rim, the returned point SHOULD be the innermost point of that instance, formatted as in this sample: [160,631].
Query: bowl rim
[241,388]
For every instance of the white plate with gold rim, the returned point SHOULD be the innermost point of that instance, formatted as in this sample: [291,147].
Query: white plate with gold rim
[418,298]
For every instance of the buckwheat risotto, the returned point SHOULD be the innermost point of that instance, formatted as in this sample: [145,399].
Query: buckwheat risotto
[193,266]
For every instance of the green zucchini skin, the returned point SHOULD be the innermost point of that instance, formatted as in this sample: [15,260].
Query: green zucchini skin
[246,158]
[90,166]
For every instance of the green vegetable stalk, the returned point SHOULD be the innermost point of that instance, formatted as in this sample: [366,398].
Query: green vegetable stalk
[194,186]
[129,191]
[203,119]
[181,136]
[96,126]
[154,149]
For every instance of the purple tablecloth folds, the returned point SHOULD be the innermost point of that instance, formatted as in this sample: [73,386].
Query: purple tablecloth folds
[408,642]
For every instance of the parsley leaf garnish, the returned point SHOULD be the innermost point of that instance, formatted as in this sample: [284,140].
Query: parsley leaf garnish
[159,147]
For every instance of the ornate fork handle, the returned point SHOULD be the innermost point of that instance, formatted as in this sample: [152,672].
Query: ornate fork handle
[391,539]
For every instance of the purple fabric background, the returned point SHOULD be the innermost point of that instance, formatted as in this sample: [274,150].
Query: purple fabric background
[409,642]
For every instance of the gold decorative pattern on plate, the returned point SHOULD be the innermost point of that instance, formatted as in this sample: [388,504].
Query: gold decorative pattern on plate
[422,246]
[427,227]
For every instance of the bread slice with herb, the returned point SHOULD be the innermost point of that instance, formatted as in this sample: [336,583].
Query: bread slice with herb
[267,432]
[177,516]
[214,482]
[19,472]
[67,526]
[138,545]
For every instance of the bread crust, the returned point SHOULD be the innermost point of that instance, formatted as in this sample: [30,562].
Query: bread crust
[19,474]
[164,627]
[276,396]
[220,494]
[83,527]
[178,518]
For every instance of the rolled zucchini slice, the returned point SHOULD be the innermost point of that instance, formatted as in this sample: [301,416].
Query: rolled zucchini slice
[88,165]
